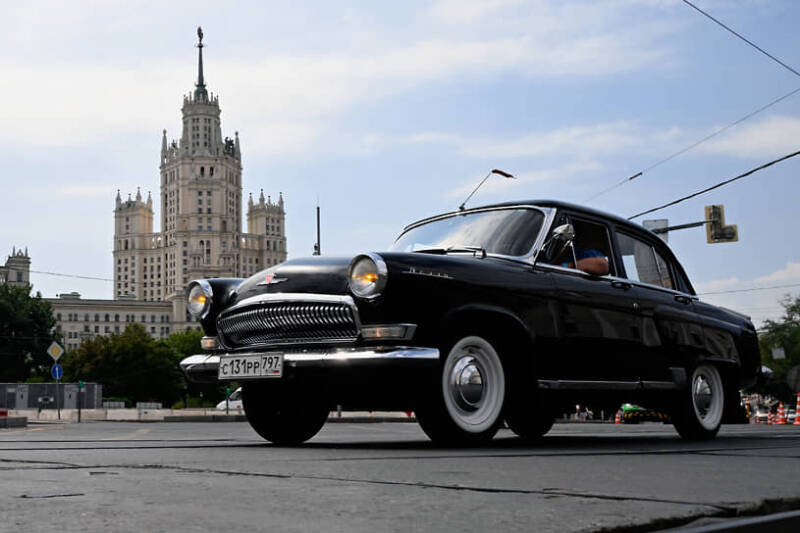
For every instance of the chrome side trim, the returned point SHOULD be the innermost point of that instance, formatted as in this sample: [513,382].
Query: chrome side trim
[565,384]
[203,367]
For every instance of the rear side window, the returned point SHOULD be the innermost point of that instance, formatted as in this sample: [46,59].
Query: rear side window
[643,263]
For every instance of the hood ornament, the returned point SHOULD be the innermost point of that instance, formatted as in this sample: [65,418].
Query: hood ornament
[270,279]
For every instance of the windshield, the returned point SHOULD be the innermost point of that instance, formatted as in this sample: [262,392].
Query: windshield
[510,232]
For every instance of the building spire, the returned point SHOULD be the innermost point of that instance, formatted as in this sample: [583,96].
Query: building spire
[200,92]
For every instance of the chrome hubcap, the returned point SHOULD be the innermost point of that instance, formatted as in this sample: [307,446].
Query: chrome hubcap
[707,397]
[467,383]
[473,384]
[703,396]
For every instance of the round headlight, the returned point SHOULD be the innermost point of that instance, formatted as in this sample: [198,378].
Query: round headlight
[368,275]
[199,300]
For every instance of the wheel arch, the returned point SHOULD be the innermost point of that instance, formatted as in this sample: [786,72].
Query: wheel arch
[516,337]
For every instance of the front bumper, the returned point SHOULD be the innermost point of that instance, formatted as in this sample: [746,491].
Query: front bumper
[202,368]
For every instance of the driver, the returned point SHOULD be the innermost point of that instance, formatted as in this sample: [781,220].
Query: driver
[590,261]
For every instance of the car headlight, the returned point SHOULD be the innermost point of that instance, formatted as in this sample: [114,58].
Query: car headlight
[199,301]
[368,274]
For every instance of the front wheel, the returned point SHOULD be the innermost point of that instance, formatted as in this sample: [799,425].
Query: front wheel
[698,414]
[466,404]
[282,416]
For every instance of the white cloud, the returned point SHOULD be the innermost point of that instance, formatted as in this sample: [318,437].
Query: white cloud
[770,137]
[760,305]
[496,184]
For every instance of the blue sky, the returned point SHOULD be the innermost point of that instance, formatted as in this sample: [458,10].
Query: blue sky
[390,113]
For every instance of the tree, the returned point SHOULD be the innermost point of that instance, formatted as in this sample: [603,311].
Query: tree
[184,344]
[784,333]
[26,330]
[130,365]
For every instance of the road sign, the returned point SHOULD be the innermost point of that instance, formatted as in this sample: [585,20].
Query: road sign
[56,371]
[55,351]
[656,224]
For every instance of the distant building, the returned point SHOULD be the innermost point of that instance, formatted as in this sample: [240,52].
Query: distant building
[201,231]
[17,270]
[78,319]
[201,214]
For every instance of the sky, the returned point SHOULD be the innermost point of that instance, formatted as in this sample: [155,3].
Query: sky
[386,113]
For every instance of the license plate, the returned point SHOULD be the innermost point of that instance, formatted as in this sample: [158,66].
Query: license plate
[250,366]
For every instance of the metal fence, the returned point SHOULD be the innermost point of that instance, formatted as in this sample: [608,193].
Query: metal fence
[49,395]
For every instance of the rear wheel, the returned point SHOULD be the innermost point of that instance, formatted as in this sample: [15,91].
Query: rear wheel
[528,422]
[282,416]
[698,414]
[465,405]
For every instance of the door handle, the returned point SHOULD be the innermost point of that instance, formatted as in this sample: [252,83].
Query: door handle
[624,285]
[683,299]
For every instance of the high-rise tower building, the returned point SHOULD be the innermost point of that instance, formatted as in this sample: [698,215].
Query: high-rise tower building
[200,211]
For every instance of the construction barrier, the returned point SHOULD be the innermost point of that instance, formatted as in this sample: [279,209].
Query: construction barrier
[4,412]
[797,411]
[781,414]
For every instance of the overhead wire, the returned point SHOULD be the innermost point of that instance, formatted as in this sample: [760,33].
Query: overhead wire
[751,290]
[745,39]
[721,130]
[696,143]
[717,186]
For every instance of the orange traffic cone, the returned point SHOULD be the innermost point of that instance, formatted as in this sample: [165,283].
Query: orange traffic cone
[797,411]
[770,419]
[781,414]
[618,418]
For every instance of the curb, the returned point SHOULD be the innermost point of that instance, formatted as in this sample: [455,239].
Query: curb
[13,422]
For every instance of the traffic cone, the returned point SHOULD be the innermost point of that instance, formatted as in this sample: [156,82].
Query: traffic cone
[781,414]
[797,411]
[618,418]
[770,419]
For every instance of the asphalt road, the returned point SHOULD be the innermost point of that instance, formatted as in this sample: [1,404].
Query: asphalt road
[386,477]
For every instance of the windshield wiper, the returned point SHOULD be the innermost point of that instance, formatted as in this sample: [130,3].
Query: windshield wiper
[474,250]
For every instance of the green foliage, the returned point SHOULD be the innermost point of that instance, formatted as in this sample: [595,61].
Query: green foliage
[784,333]
[194,402]
[185,343]
[26,330]
[131,365]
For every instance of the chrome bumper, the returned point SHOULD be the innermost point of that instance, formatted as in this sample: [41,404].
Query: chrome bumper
[203,368]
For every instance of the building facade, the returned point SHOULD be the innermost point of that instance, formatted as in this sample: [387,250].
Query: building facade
[201,233]
[17,269]
[200,214]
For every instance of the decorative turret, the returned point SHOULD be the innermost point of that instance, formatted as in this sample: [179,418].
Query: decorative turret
[149,201]
[237,149]
[261,199]
[164,145]
[119,200]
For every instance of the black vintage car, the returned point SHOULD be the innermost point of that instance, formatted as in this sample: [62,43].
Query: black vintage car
[504,313]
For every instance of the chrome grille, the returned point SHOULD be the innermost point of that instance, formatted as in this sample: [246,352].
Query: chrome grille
[268,323]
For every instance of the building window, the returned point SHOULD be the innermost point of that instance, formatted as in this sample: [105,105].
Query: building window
[116,319]
[106,317]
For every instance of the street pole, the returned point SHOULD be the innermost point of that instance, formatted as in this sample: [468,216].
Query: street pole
[80,395]
[58,404]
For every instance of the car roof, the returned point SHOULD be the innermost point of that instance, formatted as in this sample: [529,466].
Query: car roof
[558,204]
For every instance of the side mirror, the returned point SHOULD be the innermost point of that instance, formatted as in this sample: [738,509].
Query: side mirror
[559,240]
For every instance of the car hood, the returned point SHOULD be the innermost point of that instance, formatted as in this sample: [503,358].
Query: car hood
[321,275]
[328,275]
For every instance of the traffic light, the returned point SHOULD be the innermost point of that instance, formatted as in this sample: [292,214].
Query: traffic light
[716,230]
